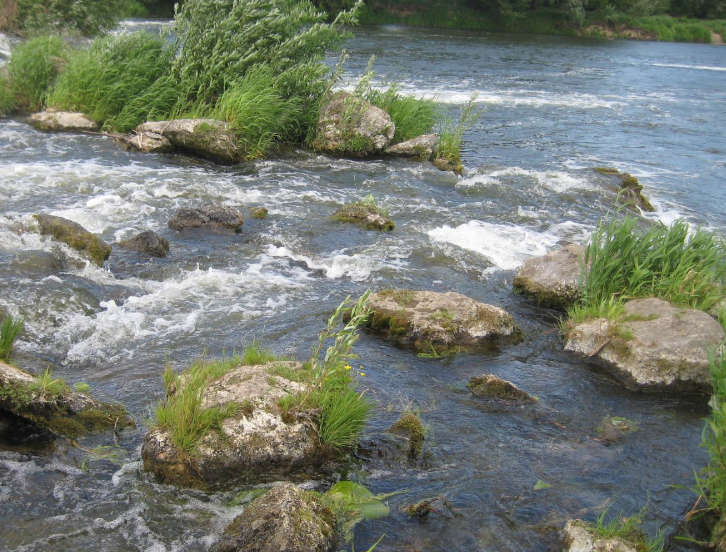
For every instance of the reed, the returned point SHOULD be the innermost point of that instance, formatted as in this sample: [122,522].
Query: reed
[32,70]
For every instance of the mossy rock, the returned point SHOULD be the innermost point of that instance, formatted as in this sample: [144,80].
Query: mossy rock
[614,428]
[448,166]
[410,426]
[490,386]
[629,190]
[368,216]
[75,236]
[52,405]
[258,213]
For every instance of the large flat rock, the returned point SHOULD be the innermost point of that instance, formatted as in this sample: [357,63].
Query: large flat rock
[208,138]
[58,121]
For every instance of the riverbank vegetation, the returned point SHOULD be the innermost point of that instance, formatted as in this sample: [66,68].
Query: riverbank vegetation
[9,331]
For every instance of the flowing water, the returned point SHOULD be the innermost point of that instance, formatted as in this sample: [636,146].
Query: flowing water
[555,107]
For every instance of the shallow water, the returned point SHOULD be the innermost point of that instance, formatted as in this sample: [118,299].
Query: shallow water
[555,107]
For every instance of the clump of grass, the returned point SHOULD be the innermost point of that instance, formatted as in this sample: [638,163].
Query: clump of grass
[32,70]
[156,103]
[49,387]
[87,17]
[412,116]
[624,262]
[7,96]
[101,80]
[451,134]
[410,423]
[627,528]
[9,331]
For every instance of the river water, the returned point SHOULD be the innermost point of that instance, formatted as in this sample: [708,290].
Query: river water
[555,107]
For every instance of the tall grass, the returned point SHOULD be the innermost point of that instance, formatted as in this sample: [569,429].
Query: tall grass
[9,331]
[451,133]
[102,80]
[87,17]
[412,116]
[32,69]
[156,103]
[7,96]
[624,262]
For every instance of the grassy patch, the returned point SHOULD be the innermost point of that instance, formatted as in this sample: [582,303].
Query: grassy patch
[9,331]
[451,134]
[627,528]
[49,387]
[412,116]
[87,17]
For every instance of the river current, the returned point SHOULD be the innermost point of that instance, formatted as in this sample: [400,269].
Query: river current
[554,108]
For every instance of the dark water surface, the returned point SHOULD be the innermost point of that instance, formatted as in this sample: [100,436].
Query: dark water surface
[555,108]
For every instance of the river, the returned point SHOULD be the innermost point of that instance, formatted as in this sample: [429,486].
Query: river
[554,108]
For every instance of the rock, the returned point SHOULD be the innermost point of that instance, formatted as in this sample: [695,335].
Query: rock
[257,443]
[62,121]
[207,138]
[553,279]
[410,427]
[421,147]
[212,215]
[653,345]
[490,386]
[148,242]
[38,262]
[370,216]
[51,404]
[580,537]
[351,126]
[717,308]
[435,322]
[75,236]
[258,212]
[448,166]
[147,142]
[286,519]
[629,190]
[614,428]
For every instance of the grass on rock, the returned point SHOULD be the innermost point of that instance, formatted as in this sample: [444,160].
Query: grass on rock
[9,331]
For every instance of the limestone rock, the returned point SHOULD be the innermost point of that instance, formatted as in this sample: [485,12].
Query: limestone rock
[62,121]
[653,345]
[147,142]
[212,215]
[257,443]
[54,406]
[350,126]
[421,147]
[368,216]
[148,242]
[75,236]
[553,279]
[629,190]
[490,386]
[441,322]
[286,519]
[207,138]
[579,537]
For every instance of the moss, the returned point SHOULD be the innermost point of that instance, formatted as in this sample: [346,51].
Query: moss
[369,216]
[411,425]
[610,424]
[606,170]
[493,387]
[258,213]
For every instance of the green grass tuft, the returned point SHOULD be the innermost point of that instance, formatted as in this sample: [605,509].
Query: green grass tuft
[412,116]
[32,70]
[451,133]
[9,331]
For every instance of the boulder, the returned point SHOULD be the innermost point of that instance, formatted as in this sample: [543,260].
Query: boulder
[421,147]
[580,536]
[147,142]
[653,345]
[62,121]
[437,323]
[410,427]
[208,138]
[350,126]
[369,216]
[286,519]
[49,403]
[552,280]
[490,386]
[447,165]
[75,236]
[259,442]
[629,190]
[148,242]
[212,215]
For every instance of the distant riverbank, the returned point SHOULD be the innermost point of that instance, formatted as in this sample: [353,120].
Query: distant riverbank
[663,28]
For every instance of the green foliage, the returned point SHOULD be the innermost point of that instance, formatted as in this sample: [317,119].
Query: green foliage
[9,331]
[32,69]
[451,133]
[82,387]
[7,96]
[624,262]
[87,17]
[101,80]
[541,485]
[344,414]
[352,503]
[611,309]
[156,103]
[628,528]
[49,387]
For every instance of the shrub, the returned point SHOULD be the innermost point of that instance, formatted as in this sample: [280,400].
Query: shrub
[88,17]
[9,331]
[32,70]
[102,80]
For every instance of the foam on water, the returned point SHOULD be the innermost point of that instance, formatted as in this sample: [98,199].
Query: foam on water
[697,67]
[558,181]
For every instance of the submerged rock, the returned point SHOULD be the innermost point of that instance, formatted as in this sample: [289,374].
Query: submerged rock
[258,213]
[434,322]
[410,427]
[421,147]
[553,279]
[147,142]
[259,442]
[581,537]
[212,215]
[490,386]
[286,519]
[629,190]
[75,236]
[148,242]
[207,138]
[369,216]
[653,345]
[447,165]
[350,126]
[52,120]
[51,404]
